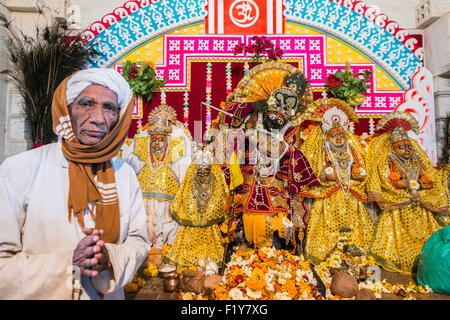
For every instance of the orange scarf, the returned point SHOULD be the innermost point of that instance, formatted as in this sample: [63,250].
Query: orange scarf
[88,162]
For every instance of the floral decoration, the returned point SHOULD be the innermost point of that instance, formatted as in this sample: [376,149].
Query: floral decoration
[142,78]
[267,274]
[260,49]
[348,86]
[357,265]
[414,185]
[134,286]
[395,176]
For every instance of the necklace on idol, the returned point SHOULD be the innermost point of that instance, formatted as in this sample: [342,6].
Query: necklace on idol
[202,191]
[342,160]
[154,169]
[409,167]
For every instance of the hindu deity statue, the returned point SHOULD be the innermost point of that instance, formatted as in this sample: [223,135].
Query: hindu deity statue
[409,191]
[275,171]
[338,159]
[160,154]
[199,207]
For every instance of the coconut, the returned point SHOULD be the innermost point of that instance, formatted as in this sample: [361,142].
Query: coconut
[365,294]
[211,282]
[344,285]
[193,281]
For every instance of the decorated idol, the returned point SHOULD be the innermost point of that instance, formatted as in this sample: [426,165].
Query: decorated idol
[402,180]
[160,154]
[200,205]
[337,157]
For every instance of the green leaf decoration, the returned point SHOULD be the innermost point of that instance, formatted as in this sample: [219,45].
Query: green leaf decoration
[142,78]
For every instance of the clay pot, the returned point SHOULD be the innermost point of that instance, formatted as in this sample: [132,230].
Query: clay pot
[344,285]
[365,294]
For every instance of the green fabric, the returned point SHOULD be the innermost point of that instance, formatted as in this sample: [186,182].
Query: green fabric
[434,263]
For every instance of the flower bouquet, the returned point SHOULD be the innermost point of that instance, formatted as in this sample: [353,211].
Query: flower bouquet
[142,78]
[259,48]
[348,86]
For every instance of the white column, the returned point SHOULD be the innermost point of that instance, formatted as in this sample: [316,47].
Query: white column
[437,60]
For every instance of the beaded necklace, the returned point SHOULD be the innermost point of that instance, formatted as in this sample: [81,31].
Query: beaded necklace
[409,167]
[342,160]
[202,191]
[154,158]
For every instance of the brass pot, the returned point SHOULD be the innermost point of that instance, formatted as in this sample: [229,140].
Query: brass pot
[166,269]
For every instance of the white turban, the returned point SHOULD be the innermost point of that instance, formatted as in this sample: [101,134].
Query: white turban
[106,77]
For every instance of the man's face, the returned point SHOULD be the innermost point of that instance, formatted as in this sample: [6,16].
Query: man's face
[93,114]
[403,148]
[203,174]
[337,137]
[158,142]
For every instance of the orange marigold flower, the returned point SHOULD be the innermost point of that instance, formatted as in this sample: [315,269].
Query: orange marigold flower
[257,281]
[165,249]
[131,287]
[238,198]
[224,227]
[394,176]
[289,287]
[215,123]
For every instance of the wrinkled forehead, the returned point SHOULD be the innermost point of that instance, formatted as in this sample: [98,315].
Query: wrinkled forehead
[98,92]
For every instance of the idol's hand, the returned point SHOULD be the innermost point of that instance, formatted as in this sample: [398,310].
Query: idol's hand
[87,255]
[358,177]
[358,173]
[331,176]
[403,183]
[426,184]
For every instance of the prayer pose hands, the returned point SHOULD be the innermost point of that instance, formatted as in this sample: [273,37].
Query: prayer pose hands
[91,255]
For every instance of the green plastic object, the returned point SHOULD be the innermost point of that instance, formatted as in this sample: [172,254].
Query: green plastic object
[434,263]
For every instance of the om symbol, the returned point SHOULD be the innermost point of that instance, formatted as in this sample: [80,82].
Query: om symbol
[244,13]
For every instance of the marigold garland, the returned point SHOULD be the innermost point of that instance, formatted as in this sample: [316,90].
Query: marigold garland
[267,274]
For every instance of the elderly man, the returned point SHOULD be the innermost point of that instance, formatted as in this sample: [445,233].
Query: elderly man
[71,208]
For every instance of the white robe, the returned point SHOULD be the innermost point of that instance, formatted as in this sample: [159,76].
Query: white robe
[37,240]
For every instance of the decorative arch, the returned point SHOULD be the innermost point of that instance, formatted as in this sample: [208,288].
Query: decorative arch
[366,28]
[363,26]
[317,35]
[138,21]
